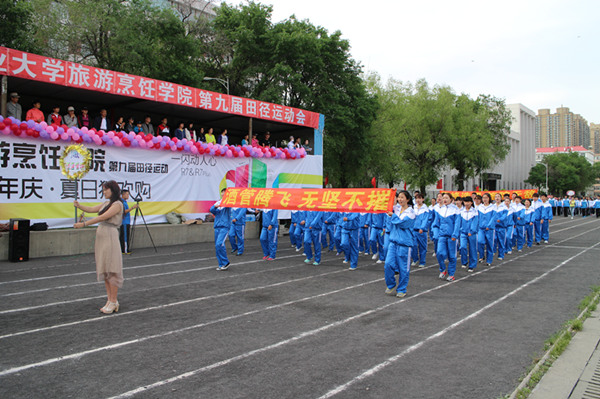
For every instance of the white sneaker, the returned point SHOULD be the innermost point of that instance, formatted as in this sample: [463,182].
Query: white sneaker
[366,254]
[509,252]
[414,263]
[374,256]
[546,242]
[345,261]
[421,265]
[379,261]
[297,249]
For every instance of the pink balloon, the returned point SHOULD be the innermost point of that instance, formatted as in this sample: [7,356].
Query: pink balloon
[194,149]
[268,154]
[6,131]
[229,154]
[64,136]
[75,136]
[71,132]
[97,140]
[117,141]
[43,124]
[85,130]
[49,129]
[174,148]
[53,135]
[111,134]
[241,155]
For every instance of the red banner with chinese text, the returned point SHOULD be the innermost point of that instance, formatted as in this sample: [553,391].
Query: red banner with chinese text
[369,200]
[520,193]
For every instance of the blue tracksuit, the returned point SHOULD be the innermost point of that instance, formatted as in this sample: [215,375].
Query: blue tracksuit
[365,227]
[434,227]
[500,218]
[293,222]
[312,234]
[386,237]
[268,238]
[349,243]
[545,217]
[398,255]
[329,224]
[238,229]
[376,238]
[299,230]
[422,218]
[529,216]
[446,220]
[485,236]
[469,227]
[338,232]
[221,226]
[519,218]
[510,229]
[537,207]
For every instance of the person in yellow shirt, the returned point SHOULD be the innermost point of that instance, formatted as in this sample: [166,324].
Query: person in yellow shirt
[210,137]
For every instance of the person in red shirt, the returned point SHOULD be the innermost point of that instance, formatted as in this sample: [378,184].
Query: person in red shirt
[54,118]
[84,119]
[35,113]
[163,128]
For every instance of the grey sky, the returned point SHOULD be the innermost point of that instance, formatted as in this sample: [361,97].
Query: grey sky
[542,54]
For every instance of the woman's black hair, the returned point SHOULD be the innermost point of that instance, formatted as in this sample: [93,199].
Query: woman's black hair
[407,196]
[115,191]
[487,195]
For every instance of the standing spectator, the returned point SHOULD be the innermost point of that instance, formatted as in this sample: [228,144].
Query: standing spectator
[163,128]
[13,108]
[179,132]
[221,226]
[307,146]
[210,138]
[147,127]
[54,118]
[290,144]
[298,143]
[245,140]
[101,121]
[70,118]
[267,141]
[84,118]
[35,114]
[190,132]
[223,139]
[254,141]
[130,125]
[125,230]
[201,136]
[120,125]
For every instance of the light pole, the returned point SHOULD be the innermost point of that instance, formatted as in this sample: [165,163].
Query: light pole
[546,166]
[224,82]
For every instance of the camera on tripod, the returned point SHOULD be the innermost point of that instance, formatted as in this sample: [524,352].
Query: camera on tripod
[138,198]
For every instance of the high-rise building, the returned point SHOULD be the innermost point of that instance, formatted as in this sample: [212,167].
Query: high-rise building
[561,129]
[595,137]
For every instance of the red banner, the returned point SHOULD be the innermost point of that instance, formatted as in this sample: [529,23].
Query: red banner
[369,200]
[44,69]
[522,193]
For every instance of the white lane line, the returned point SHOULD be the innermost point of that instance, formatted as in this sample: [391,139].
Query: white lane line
[389,361]
[337,324]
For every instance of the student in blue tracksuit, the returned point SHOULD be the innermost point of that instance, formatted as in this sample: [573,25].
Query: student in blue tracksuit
[501,213]
[221,226]
[565,205]
[237,230]
[398,256]
[293,223]
[519,218]
[268,233]
[329,221]
[300,222]
[364,233]
[545,218]
[529,216]
[584,207]
[536,204]
[387,228]
[338,233]
[487,225]
[510,226]
[421,227]
[597,206]
[431,217]
[350,227]
[469,227]
[312,235]
[434,225]
[377,236]
[446,220]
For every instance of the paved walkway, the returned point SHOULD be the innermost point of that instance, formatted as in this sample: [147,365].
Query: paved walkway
[576,373]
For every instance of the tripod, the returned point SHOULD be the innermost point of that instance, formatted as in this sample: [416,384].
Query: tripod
[135,215]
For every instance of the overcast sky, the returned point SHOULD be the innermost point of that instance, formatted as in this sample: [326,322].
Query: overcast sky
[542,54]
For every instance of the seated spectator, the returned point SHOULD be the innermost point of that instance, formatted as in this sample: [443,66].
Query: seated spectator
[254,141]
[307,146]
[138,128]
[180,131]
[120,125]
[290,144]
[223,139]
[245,140]
[163,128]
[84,118]
[54,118]
[13,108]
[147,127]
[210,138]
[101,121]
[35,113]
[190,132]
[267,141]
[201,135]
[130,125]
[70,119]
[298,143]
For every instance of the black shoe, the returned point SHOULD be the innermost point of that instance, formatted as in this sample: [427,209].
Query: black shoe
[225,267]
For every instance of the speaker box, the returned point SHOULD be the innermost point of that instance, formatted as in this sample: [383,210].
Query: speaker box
[18,240]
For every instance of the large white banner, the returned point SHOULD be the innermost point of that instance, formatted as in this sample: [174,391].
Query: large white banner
[32,185]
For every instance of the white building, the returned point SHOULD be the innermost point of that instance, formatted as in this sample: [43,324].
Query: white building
[587,154]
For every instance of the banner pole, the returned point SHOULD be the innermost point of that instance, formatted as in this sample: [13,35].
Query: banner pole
[76,197]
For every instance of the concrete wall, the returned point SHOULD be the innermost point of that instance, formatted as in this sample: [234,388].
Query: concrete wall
[63,242]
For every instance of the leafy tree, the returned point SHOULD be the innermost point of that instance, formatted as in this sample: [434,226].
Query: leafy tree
[16,28]
[569,171]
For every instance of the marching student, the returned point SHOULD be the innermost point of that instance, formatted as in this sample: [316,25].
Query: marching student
[221,226]
[300,222]
[469,226]
[487,224]
[529,216]
[386,235]
[237,231]
[510,226]
[431,217]
[584,207]
[293,223]
[597,206]
[419,251]
[339,221]
[364,233]
[377,236]
[434,226]
[447,224]
[519,218]
[329,221]
[350,226]
[501,212]
[269,233]
[545,218]
[312,235]
[536,204]
[397,259]
[565,205]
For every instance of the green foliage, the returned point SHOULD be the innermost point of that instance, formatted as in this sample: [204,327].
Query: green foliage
[569,171]
[16,28]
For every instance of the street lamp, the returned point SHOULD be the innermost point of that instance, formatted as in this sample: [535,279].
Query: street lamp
[546,166]
[224,82]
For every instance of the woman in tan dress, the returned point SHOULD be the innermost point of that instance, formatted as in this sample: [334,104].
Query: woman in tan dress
[109,261]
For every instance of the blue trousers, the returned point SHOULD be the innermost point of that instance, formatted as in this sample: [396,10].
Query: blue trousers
[487,242]
[435,237]
[519,233]
[312,236]
[363,245]
[529,231]
[509,238]
[545,230]
[350,246]
[419,251]
[500,241]
[268,241]
[468,250]
[338,239]
[446,249]
[329,236]
[299,233]
[220,238]
[293,235]
[376,240]
[237,236]
[397,260]
[538,231]
[386,244]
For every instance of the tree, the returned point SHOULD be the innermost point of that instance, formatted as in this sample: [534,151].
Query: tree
[16,27]
[567,171]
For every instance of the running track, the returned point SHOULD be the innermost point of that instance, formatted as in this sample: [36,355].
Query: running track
[285,329]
